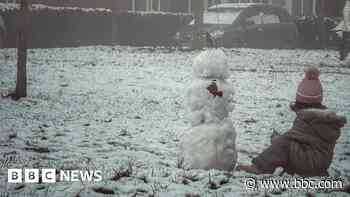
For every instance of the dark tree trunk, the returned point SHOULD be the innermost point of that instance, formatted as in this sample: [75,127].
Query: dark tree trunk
[21,84]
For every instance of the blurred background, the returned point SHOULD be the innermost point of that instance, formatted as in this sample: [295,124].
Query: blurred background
[67,23]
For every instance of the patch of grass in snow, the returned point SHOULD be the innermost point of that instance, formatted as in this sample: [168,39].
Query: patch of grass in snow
[119,173]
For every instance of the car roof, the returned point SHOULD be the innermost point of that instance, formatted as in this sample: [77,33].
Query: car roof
[234,5]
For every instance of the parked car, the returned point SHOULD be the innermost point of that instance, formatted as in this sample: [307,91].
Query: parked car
[244,25]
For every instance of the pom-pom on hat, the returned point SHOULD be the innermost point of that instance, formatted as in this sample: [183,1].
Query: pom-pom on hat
[310,88]
[211,63]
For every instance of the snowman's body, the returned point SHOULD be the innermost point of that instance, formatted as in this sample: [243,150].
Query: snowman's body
[210,142]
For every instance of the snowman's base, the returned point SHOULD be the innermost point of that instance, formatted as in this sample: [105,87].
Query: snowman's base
[210,146]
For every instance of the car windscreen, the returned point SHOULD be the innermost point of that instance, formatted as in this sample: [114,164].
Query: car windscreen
[219,18]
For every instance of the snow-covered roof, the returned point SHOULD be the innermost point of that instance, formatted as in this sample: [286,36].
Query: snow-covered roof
[159,13]
[222,18]
[15,6]
[233,5]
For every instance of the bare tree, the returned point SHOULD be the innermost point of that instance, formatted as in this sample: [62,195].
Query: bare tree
[21,84]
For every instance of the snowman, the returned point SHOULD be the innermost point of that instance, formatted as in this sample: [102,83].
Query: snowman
[210,141]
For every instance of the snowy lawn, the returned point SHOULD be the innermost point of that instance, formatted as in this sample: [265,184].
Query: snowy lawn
[113,107]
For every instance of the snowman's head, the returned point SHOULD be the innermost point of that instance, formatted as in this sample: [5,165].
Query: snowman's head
[212,64]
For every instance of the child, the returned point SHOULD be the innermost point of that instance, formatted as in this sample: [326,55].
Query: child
[307,148]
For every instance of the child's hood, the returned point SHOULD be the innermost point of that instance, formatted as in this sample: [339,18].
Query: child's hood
[324,123]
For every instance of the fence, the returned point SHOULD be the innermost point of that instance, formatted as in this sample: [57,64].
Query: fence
[69,27]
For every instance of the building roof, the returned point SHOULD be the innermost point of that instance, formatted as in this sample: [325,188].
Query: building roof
[233,5]
[15,6]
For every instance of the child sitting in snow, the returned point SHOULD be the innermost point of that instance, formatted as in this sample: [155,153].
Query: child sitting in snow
[307,148]
[210,142]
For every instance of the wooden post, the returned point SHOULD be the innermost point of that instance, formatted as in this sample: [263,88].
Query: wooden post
[314,11]
[148,5]
[205,5]
[302,8]
[198,10]
[133,6]
[21,84]
[2,32]
[116,9]
[289,6]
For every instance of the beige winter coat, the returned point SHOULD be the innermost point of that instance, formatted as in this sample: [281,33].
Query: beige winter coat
[313,138]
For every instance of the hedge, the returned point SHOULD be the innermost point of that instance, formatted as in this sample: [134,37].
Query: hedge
[69,27]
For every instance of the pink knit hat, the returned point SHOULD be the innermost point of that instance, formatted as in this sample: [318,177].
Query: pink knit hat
[310,88]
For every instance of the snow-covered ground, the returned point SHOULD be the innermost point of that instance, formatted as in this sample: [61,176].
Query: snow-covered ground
[113,107]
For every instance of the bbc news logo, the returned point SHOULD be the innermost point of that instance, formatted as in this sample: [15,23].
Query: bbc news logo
[51,176]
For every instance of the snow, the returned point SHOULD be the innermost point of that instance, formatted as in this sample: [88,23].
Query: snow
[233,5]
[210,142]
[223,14]
[210,146]
[211,64]
[16,6]
[111,106]
[203,106]
[36,7]
[221,18]
[160,13]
